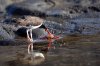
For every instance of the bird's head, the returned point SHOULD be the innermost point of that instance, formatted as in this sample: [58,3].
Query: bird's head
[50,35]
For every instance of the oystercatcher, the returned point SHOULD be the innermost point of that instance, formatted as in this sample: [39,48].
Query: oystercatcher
[34,24]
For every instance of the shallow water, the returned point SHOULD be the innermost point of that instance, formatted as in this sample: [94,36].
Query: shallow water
[69,51]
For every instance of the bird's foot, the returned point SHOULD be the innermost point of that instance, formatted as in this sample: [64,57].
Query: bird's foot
[49,46]
[30,40]
[52,47]
[56,37]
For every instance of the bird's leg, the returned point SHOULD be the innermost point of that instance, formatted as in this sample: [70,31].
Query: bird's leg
[49,37]
[28,36]
[50,42]
[29,48]
[31,40]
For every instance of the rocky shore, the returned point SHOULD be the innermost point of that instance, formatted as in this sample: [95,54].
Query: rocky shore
[61,16]
[77,21]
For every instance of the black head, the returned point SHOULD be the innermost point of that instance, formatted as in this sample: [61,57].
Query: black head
[43,26]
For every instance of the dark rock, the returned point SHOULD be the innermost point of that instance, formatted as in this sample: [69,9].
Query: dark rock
[7,31]
[30,7]
[18,11]
[87,26]
[5,3]
[93,8]
[52,8]
[21,32]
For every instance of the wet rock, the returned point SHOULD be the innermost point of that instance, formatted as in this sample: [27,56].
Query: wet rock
[87,26]
[83,24]
[66,28]
[88,15]
[54,27]
[94,8]
[53,8]
[61,19]
[5,3]
[6,32]
[30,7]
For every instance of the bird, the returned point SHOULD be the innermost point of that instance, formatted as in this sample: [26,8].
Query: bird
[31,23]
[31,38]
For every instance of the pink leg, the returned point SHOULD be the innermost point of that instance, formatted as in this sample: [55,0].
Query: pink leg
[50,42]
[30,38]
[29,48]
[49,45]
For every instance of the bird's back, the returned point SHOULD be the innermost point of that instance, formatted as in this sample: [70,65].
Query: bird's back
[30,20]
